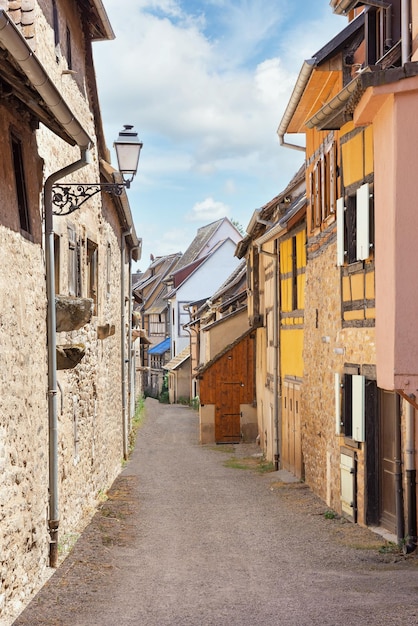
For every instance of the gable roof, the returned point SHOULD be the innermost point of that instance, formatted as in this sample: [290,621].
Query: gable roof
[310,85]
[202,368]
[178,360]
[195,266]
[99,27]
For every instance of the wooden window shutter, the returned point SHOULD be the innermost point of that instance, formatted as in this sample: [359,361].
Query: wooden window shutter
[363,223]
[358,405]
[340,231]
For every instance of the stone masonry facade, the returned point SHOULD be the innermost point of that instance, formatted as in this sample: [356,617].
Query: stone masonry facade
[89,399]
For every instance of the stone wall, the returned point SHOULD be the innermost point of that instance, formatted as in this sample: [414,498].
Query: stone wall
[23,420]
[320,445]
[89,398]
[327,348]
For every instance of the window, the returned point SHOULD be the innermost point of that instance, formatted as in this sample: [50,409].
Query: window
[56,30]
[21,195]
[383,30]
[323,187]
[184,317]
[108,268]
[74,263]
[92,272]
[355,226]
[294,275]
[157,324]
[69,51]
[354,407]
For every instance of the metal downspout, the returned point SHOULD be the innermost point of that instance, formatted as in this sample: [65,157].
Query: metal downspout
[276,372]
[131,388]
[405,34]
[276,363]
[122,342]
[53,517]
[411,478]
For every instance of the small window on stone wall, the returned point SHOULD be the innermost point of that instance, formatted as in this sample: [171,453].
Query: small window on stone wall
[108,268]
[69,50]
[92,272]
[56,31]
[74,273]
[21,195]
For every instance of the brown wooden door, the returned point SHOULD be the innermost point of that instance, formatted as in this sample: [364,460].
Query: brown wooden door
[227,411]
[291,433]
[388,460]
[228,414]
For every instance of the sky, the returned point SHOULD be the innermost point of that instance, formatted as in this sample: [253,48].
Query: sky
[205,85]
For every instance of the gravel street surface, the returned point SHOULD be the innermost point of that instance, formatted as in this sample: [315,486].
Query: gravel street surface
[185,539]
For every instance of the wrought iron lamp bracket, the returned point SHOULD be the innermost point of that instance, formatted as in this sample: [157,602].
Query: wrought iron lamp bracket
[70,197]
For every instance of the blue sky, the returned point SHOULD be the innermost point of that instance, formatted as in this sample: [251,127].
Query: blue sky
[205,84]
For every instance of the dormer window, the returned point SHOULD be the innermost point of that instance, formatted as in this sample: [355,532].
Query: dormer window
[383,30]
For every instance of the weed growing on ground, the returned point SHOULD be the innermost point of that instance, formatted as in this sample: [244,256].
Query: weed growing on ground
[137,420]
[257,464]
[67,543]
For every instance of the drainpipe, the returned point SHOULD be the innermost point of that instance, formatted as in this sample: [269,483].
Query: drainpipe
[122,342]
[131,392]
[405,33]
[53,518]
[400,524]
[276,364]
[411,477]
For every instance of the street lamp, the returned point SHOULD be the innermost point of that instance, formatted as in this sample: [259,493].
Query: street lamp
[128,149]
[68,197]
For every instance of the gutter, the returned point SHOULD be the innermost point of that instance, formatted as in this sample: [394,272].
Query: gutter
[14,42]
[334,105]
[301,83]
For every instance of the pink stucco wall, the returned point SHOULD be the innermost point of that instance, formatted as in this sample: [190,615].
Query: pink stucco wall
[392,109]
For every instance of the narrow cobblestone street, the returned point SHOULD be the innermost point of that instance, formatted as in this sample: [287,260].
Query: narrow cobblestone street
[185,540]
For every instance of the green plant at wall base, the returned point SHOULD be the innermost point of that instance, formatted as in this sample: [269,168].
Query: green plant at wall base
[67,543]
[136,421]
[195,403]
[330,514]
[164,397]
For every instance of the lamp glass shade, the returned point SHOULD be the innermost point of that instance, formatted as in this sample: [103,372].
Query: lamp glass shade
[128,148]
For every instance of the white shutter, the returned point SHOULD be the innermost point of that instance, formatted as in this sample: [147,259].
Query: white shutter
[362,215]
[358,408]
[340,231]
[347,474]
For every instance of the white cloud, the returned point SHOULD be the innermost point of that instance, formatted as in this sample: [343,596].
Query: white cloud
[208,210]
[205,84]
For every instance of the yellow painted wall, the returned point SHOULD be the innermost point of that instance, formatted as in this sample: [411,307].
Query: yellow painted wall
[291,361]
[357,155]
[286,271]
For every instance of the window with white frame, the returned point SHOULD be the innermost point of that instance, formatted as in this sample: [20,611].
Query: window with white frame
[355,226]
